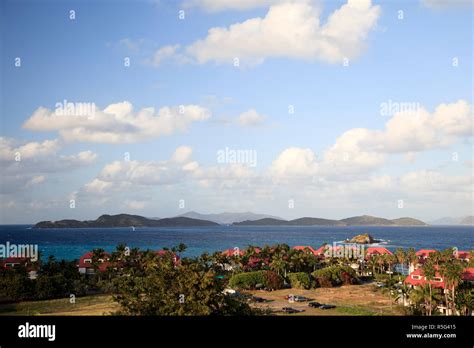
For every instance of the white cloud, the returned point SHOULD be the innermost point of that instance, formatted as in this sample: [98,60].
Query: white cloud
[168,52]
[223,5]
[127,175]
[359,150]
[349,156]
[24,165]
[294,162]
[250,118]
[182,154]
[290,29]
[118,123]
[8,149]
[135,205]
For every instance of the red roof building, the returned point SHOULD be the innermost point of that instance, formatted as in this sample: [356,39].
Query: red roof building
[424,253]
[86,266]
[307,247]
[377,251]
[468,275]
[463,255]
[233,252]
[417,278]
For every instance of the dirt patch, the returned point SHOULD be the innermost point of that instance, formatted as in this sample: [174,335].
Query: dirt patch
[349,300]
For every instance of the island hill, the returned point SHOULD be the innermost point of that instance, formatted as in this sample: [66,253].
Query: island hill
[127,220]
[364,220]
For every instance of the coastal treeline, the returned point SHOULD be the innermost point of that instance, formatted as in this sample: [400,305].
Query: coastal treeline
[147,282]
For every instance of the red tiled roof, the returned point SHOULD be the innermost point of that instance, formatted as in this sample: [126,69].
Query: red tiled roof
[307,247]
[14,260]
[468,274]
[89,255]
[425,252]
[378,251]
[422,281]
[233,252]
[320,250]
[464,255]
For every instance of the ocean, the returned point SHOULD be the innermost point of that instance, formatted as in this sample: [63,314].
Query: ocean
[70,244]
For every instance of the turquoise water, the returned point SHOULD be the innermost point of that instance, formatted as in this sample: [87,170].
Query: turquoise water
[72,243]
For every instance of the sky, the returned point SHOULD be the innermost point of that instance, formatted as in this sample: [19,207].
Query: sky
[292,108]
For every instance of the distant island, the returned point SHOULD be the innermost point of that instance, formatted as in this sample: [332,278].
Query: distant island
[126,220]
[228,218]
[364,220]
[461,220]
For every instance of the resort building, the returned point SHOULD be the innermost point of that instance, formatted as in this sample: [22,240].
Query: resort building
[377,251]
[86,265]
[26,262]
[417,278]
[317,252]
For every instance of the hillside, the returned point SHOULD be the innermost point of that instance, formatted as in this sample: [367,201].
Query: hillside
[364,220]
[228,218]
[309,221]
[468,220]
[367,220]
[263,222]
[407,221]
[125,220]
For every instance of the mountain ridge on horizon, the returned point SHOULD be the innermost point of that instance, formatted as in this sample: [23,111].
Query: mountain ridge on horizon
[455,221]
[129,220]
[362,220]
[225,218]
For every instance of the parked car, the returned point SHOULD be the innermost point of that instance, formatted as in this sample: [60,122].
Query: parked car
[314,304]
[290,310]
[326,306]
[301,298]
[257,299]
[380,284]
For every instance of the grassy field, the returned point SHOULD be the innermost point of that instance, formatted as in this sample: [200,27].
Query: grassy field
[88,305]
[349,300]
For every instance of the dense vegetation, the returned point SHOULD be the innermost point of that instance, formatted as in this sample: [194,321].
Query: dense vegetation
[151,283]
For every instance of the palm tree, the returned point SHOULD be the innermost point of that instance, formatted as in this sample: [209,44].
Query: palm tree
[430,272]
[390,260]
[97,255]
[404,293]
[278,265]
[420,297]
[411,257]
[464,302]
[401,256]
[452,273]
[373,263]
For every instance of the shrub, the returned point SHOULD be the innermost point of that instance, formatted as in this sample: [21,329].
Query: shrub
[249,280]
[272,280]
[15,285]
[300,280]
[334,276]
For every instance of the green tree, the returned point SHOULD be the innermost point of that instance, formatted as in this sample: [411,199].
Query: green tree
[429,272]
[190,288]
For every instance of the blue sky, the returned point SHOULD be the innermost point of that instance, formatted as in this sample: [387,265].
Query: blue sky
[82,60]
